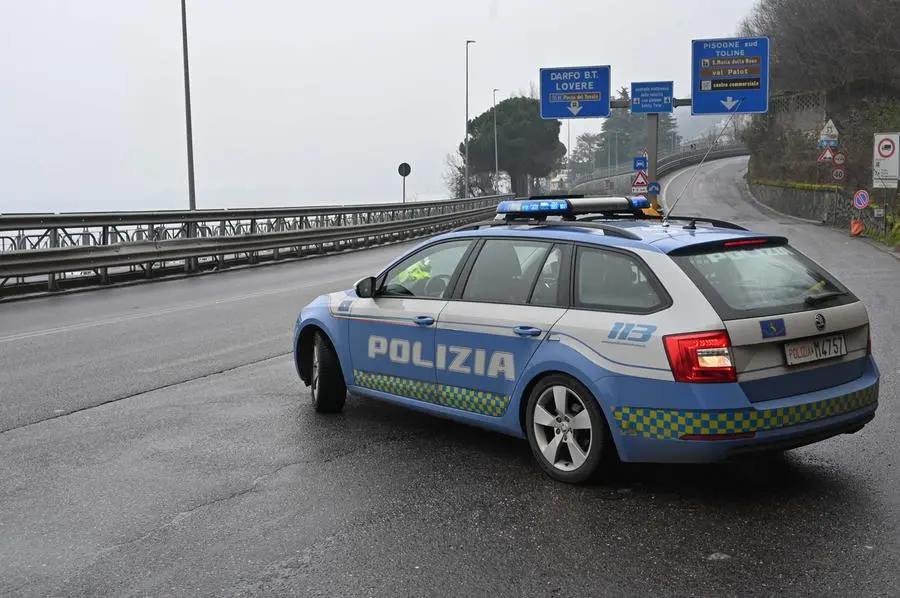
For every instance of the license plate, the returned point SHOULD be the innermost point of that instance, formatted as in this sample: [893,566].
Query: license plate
[815,349]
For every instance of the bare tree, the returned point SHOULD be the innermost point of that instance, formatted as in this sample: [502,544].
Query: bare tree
[823,45]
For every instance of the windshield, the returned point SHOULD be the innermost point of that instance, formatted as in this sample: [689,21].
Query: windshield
[759,281]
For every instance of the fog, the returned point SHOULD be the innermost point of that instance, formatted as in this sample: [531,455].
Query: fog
[294,102]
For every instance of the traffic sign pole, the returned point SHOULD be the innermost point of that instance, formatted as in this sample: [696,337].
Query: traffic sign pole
[652,154]
[403,170]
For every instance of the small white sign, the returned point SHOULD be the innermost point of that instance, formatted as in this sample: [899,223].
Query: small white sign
[879,212]
[829,131]
[886,160]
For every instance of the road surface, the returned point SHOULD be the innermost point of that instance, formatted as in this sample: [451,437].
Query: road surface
[157,442]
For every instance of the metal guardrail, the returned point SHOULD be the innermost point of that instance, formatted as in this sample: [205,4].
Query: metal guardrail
[665,157]
[670,163]
[79,249]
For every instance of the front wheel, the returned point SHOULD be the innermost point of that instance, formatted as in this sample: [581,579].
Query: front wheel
[566,429]
[326,382]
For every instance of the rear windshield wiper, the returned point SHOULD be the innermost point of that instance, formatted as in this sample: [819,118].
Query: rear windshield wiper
[822,297]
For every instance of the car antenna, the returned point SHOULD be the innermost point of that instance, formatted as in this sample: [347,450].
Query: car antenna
[665,221]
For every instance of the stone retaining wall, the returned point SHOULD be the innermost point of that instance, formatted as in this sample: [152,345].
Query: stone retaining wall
[834,208]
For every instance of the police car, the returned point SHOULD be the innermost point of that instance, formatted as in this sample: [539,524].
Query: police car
[593,330]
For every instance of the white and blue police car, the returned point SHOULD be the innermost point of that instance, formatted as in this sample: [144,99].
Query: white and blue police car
[592,329]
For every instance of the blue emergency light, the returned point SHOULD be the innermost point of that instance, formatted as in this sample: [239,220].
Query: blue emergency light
[570,206]
[536,207]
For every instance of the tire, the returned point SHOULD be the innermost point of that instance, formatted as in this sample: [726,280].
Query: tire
[326,382]
[554,435]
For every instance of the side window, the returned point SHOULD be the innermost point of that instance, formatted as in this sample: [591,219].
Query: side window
[505,271]
[426,273]
[546,289]
[615,282]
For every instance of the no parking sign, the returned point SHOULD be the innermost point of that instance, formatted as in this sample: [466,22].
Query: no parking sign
[861,199]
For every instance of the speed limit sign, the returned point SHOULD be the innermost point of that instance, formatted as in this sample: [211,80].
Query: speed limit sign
[838,174]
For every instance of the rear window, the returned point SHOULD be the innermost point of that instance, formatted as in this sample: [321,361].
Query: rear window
[753,282]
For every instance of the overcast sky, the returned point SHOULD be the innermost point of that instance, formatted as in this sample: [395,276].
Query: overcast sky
[294,102]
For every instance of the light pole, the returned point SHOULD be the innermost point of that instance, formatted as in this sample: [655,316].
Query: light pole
[466,138]
[496,151]
[192,199]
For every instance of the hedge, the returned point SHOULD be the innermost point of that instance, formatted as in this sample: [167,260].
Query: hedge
[794,185]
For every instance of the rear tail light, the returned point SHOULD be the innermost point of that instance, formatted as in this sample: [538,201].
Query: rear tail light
[745,242]
[701,357]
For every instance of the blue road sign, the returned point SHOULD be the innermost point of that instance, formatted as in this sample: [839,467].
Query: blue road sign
[832,143]
[575,92]
[652,97]
[730,76]
[654,188]
[640,163]
[861,199]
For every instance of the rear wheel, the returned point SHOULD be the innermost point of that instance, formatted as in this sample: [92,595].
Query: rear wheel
[326,382]
[566,429]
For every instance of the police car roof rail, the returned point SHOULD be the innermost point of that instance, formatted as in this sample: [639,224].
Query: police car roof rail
[691,220]
[608,229]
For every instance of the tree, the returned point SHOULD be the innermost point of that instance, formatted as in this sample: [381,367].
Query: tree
[816,45]
[480,183]
[624,135]
[584,157]
[528,145]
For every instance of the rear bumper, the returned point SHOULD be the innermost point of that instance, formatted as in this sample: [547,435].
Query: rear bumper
[658,435]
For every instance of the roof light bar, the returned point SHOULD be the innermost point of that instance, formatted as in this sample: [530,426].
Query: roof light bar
[535,207]
[571,206]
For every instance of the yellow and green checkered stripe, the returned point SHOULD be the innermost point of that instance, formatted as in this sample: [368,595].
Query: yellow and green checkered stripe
[671,424]
[455,397]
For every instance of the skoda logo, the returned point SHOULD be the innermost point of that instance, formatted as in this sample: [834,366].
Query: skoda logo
[820,322]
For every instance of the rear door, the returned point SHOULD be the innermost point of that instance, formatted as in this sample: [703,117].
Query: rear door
[794,328]
[392,335]
[505,306]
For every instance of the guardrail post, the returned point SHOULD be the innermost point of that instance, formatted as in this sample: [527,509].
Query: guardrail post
[54,243]
[148,272]
[253,254]
[104,240]
[190,264]
[221,257]
[279,227]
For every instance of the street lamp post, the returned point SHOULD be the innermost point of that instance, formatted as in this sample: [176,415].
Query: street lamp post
[466,138]
[192,199]
[190,264]
[496,151]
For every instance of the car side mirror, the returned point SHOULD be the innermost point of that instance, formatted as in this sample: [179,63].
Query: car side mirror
[365,288]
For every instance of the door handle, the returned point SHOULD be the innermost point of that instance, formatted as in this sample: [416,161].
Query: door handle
[424,320]
[527,331]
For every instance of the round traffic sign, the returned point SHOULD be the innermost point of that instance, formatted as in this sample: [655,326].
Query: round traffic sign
[886,147]
[838,174]
[840,158]
[861,199]
[404,170]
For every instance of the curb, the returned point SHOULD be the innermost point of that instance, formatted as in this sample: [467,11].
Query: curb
[745,191]
[748,194]
[881,247]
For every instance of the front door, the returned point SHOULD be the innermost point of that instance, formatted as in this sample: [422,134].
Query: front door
[392,336]
[485,338]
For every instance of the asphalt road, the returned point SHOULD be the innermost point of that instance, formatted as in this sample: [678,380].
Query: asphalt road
[157,442]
